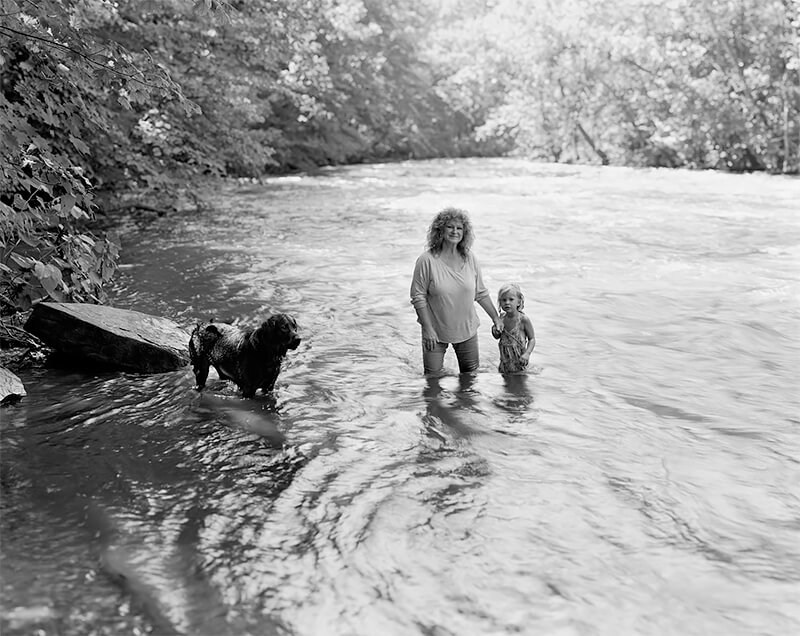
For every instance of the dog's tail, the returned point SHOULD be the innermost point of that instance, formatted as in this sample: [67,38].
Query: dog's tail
[202,339]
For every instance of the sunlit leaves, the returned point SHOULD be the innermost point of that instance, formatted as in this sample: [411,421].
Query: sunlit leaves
[709,83]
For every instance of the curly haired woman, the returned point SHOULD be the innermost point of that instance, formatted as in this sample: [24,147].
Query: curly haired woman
[447,283]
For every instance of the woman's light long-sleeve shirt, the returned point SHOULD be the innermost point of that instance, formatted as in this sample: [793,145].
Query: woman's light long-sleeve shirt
[450,295]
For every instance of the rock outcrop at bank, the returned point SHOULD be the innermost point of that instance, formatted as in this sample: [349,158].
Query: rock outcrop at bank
[110,337]
[11,387]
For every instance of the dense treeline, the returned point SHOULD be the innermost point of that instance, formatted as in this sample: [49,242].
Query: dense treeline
[694,83]
[99,99]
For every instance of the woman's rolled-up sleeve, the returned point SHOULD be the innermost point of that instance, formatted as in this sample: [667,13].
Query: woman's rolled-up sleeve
[480,289]
[419,282]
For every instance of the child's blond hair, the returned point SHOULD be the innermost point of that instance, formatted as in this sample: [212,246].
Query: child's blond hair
[512,287]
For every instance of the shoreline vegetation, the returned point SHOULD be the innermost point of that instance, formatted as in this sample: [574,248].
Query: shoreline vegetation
[111,109]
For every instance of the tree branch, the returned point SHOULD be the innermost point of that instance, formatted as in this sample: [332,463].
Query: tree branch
[83,55]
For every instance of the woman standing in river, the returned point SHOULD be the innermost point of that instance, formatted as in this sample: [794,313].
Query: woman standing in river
[447,283]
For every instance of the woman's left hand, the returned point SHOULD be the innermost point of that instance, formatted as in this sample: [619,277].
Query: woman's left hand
[499,324]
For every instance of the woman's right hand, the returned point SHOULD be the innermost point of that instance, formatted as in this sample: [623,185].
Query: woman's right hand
[429,339]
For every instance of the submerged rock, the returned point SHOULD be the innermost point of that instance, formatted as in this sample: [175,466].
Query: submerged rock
[11,387]
[111,337]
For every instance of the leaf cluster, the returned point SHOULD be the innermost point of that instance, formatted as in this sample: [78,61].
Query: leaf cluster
[63,85]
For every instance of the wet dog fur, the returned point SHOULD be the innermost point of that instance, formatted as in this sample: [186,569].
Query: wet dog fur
[249,358]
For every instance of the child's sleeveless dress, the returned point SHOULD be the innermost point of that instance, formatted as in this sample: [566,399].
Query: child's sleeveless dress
[512,343]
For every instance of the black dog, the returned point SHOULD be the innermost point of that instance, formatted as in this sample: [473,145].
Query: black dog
[252,358]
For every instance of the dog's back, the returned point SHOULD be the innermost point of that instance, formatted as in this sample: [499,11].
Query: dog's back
[206,336]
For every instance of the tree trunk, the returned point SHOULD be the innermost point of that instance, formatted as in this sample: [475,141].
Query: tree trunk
[603,156]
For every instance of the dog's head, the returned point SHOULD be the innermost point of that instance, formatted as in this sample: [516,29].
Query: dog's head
[281,331]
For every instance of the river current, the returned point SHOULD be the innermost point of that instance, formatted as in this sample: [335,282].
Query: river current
[642,478]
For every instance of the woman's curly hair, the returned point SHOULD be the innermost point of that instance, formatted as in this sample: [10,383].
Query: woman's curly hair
[437,230]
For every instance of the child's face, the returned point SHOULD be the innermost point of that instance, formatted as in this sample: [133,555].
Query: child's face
[508,302]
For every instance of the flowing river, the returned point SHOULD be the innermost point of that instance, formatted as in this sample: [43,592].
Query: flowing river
[643,478]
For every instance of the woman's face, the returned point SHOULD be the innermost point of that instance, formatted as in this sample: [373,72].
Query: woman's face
[453,232]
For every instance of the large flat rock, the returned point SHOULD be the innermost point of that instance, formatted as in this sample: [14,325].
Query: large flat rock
[120,338]
[11,388]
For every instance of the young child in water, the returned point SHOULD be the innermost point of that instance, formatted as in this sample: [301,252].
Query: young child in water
[517,339]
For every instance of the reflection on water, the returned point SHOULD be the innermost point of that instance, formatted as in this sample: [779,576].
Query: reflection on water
[640,479]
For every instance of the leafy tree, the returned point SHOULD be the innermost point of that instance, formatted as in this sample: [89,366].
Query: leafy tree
[57,128]
[382,91]
[675,83]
